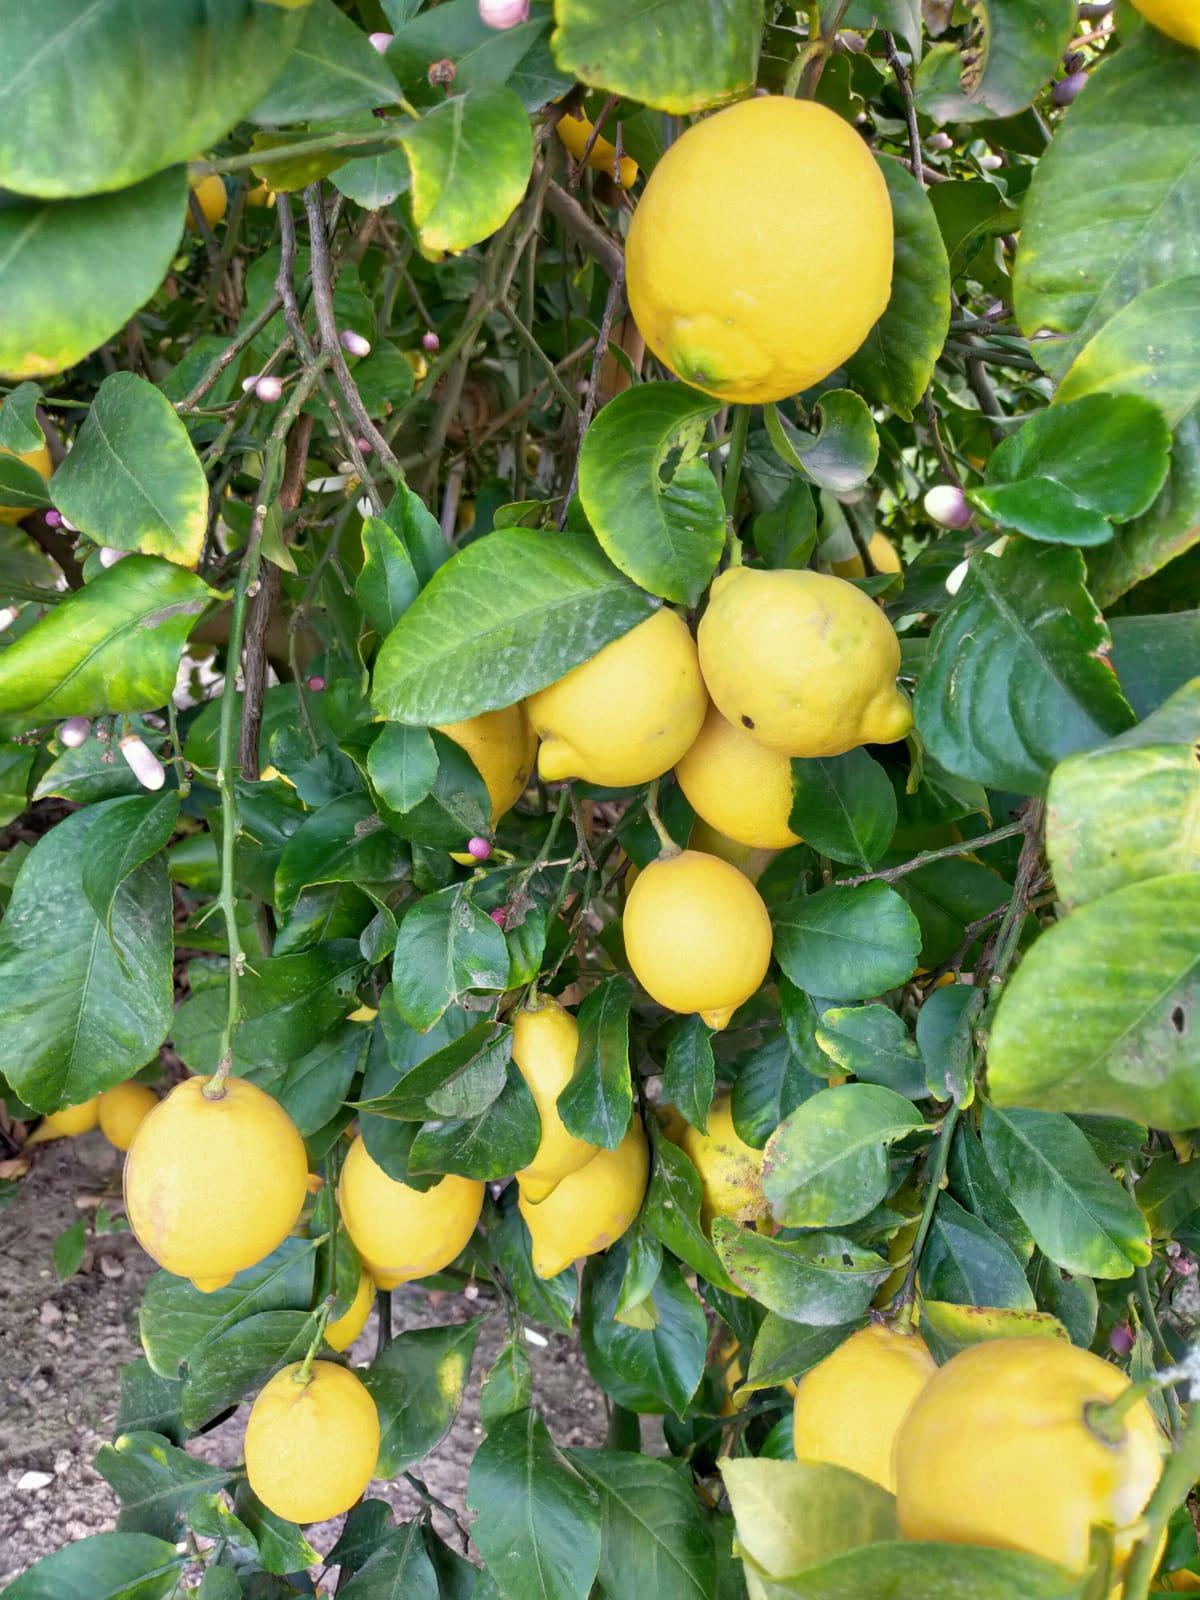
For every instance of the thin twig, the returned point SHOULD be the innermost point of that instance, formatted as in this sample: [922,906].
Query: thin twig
[904,84]
[587,410]
[966,848]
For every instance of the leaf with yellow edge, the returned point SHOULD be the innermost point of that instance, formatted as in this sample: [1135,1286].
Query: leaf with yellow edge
[470,160]
[947,1328]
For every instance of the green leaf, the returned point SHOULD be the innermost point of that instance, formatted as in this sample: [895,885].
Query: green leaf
[403,766]
[932,1572]
[1042,509]
[895,362]
[417,1381]
[281,1546]
[1077,1212]
[126,834]
[155,1482]
[873,1044]
[16,767]
[106,1566]
[1018,674]
[446,947]
[113,645]
[793,1514]
[490,1144]
[969,213]
[387,583]
[460,1079]
[21,485]
[343,842]
[651,1369]
[598,1101]
[843,806]
[773,1079]
[784,1350]
[535,1514]
[69,1249]
[822,1279]
[457,805]
[401,1567]
[946,1040]
[508,615]
[148,1403]
[667,534]
[827,1164]
[332,71]
[653,1536]
[842,455]
[72,272]
[225,1370]
[690,1071]
[470,158]
[482,56]
[420,532]
[20,430]
[847,943]
[1100,1015]
[966,1263]
[507,1385]
[671,1212]
[547,1300]
[79,1016]
[1019,51]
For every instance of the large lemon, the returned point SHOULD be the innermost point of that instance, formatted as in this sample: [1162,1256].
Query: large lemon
[849,1407]
[804,662]
[738,786]
[997,1450]
[590,1209]
[626,715]
[730,1170]
[123,1110]
[214,1185]
[1180,19]
[760,254]
[544,1041]
[697,935]
[502,746]
[41,463]
[404,1233]
[68,1123]
[341,1332]
[311,1446]
[884,558]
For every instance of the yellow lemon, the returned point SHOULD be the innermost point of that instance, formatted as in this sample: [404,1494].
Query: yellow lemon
[574,129]
[590,1209]
[213,1186]
[626,715]
[261,196]
[403,1233]
[697,935]
[1178,1583]
[805,663]
[342,1331]
[311,1446]
[760,254]
[998,1450]
[544,1043]
[211,198]
[123,1110]
[738,786]
[884,558]
[68,1123]
[41,463]
[849,1407]
[730,1170]
[751,863]
[502,746]
[1180,19]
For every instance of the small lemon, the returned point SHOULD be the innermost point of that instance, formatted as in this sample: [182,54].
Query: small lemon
[760,254]
[574,129]
[502,746]
[403,1233]
[123,1110]
[68,1123]
[261,196]
[41,463]
[545,1040]
[998,1450]
[730,1170]
[1178,1583]
[342,1331]
[884,558]
[849,1407]
[1180,19]
[213,1186]
[697,935]
[590,1209]
[804,662]
[629,713]
[212,200]
[311,1447]
[738,786]
[750,863]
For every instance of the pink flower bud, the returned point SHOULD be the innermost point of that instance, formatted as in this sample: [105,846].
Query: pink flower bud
[380,41]
[365,446]
[479,847]
[939,142]
[8,615]
[430,342]
[249,383]
[991,163]
[354,344]
[947,504]
[503,13]
[109,557]
[498,916]
[1120,1340]
[316,683]
[53,519]
[1066,90]
[143,763]
[73,732]
[268,390]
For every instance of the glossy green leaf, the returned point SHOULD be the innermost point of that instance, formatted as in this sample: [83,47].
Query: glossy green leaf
[822,1279]
[933,1571]
[654,1369]
[400,1567]
[689,1071]
[784,1350]
[312,1086]
[598,1101]
[666,533]
[242,1360]
[945,897]
[967,1264]
[773,1079]
[508,615]
[149,1403]
[507,1385]
[72,272]
[155,1482]
[387,582]
[470,158]
[344,842]
[418,1382]
[20,429]
[874,1045]
[106,1566]
[974,1184]
[843,806]
[1018,51]
[970,212]
[847,943]
[793,1514]
[332,71]
[671,1212]
[446,947]
[126,834]
[459,1078]
[403,766]
[945,1038]
[21,485]
[490,1144]
[842,454]
[281,1545]
[827,1164]
[1044,510]
[16,766]
[550,1301]
[457,805]
[483,57]
[653,1535]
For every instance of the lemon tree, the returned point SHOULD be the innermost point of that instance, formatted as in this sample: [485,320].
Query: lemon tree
[599,706]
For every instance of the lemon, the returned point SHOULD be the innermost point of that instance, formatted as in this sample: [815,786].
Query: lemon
[997,1450]
[574,129]
[404,1233]
[738,786]
[311,1447]
[1178,1583]
[41,463]
[342,1331]
[67,1123]
[697,935]
[123,1110]
[629,713]
[213,1186]
[261,196]
[544,1043]
[590,1209]
[805,663]
[849,1407]
[751,863]
[730,1170]
[760,254]
[502,746]
[1180,19]
[212,199]
[883,554]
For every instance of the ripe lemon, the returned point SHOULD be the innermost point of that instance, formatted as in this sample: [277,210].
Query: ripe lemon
[123,1110]
[1180,19]
[1178,1583]
[574,129]
[545,1040]
[760,254]
[503,746]
[261,196]
[212,199]
[697,935]
[997,1450]
[849,1407]
[626,715]
[311,1447]
[68,1123]
[730,1170]
[403,1233]
[590,1209]
[804,662]
[884,558]
[751,863]
[41,463]
[213,1186]
[342,1331]
[738,786]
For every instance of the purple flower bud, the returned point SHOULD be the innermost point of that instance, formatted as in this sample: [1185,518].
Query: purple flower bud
[143,763]
[499,917]
[503,13]
[479,847]
[269,390]
[1120,1340]
[430,342]
[316,683]
[8,615]
[53,518]
[73,732]
[354,344]
[109,557]
[1067,88]
[380,41]
[947,504]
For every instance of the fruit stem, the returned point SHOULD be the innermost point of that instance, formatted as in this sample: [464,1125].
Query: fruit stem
[740,427]
[1106,1418]
[938,1158]
[305,1372]
[1180,1473]
[667,844]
